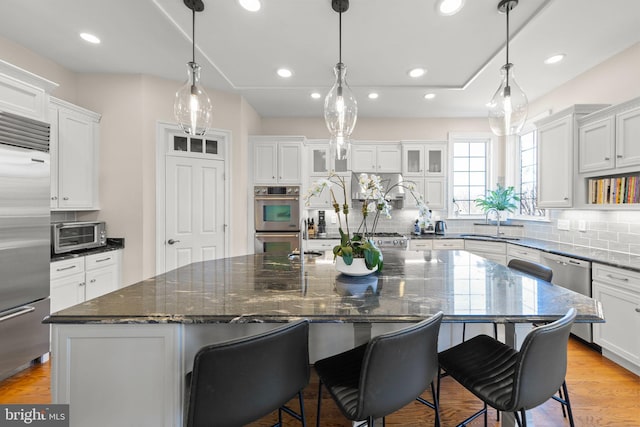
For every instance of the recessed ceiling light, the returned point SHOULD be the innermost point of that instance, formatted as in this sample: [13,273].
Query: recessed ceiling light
[554,59]
[90,38]
[430,96]
[417,72]
[316,95]
[284,72]
[250,5]
[373,95]
[449,7]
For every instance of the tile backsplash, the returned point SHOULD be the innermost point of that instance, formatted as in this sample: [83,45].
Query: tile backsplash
[611,230]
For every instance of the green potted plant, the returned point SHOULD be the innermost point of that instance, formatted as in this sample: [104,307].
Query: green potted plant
[360,245]
[501,199]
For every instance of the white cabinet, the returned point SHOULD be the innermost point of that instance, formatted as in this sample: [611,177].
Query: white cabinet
[618,291]
[420,244]
[324,200]
[67,283]
[448,243]
[557,148]
[493,251]
[276,162]
[23,93]
[597,145]
[627,137]
[426,159]
[432,189]
[376,158]
[82,278]
[321,162]
[523,253]
[75,136]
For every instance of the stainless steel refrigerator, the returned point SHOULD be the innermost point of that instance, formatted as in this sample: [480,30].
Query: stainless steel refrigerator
[25,250]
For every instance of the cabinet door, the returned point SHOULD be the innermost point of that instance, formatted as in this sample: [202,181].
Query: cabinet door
[265,161]
[555,163]
[619,333]
[101,281]
[628,138]
[289,163]
[389,159]
[53,153]
[435,160]
[67,291]
[413,160]
[434,193]
[596,145]
[363,159]
[319,160]
[76,161]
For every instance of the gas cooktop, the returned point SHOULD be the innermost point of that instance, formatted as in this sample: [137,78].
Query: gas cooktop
[389,240]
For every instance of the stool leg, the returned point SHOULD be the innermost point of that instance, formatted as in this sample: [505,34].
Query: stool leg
[566,399]
[319,402]
[303,420]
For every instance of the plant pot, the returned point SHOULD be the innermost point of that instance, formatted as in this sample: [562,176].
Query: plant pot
[357,267]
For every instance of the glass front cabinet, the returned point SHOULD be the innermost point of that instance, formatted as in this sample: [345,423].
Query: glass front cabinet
[321,161]
[425,164]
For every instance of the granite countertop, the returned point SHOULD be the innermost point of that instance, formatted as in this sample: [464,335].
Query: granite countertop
[612,258]
[113,244]
[271,288]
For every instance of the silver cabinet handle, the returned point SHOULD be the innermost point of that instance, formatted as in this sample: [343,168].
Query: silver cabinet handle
[19,312]
[623,279]
[637,310]
[171,241]
[103,259]
[65,198]
[81,284]
[92,281]
[66,268]
[619,156]
[607,158]
[54,198]
[566,198]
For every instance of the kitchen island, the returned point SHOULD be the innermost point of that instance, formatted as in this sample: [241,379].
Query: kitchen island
[121,359]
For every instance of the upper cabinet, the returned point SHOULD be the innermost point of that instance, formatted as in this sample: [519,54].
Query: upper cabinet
[608,139]
[75,136]
[23,93]
[277,160]
[424,158]
[557,148]
[321,162]
[376,158]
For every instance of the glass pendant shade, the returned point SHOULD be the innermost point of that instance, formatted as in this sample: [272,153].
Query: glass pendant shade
[508,107]
[340,108]
[339,147]
[192,106]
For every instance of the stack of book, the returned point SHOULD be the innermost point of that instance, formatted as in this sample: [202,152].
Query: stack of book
[615,190]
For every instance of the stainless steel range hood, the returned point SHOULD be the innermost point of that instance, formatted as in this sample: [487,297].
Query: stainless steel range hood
[389,181]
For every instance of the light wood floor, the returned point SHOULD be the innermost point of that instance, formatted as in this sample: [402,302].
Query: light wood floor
[601,392]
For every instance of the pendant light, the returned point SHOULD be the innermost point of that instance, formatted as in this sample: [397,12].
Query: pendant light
[508,107]
[192,106]
[340,106]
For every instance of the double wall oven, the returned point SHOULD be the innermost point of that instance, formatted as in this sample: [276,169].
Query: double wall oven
[277,218]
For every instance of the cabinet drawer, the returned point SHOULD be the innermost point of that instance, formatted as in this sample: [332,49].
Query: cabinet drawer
[448,244]
[515,251]
[486,247]
[100,260]
[616,276]
[421,245]
[66,267]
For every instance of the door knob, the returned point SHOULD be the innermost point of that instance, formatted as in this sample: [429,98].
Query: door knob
[171,241]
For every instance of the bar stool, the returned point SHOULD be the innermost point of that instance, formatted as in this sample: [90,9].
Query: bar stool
[376,379]
[511,380]
[239,381]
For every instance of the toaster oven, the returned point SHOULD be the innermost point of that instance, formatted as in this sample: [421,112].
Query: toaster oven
[77,235]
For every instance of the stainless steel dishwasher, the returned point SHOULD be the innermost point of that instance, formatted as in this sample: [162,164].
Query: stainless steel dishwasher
[573,274]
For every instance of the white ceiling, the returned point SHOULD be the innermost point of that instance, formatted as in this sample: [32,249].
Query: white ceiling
[240,51]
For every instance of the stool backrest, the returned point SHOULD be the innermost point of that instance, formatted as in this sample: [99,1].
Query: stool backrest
[537,270]
[542,363]
[398,367]
[239,381]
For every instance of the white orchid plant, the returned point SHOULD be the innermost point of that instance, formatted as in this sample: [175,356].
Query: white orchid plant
[375,204]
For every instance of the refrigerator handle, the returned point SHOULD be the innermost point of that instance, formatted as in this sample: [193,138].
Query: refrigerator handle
[19,312]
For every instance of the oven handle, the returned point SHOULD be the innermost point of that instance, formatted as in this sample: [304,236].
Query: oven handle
[277,234]
[277,198]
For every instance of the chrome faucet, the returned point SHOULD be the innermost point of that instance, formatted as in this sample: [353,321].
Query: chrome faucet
[303,232]
[486,219]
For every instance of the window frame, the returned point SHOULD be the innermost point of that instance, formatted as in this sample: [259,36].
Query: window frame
[490,173]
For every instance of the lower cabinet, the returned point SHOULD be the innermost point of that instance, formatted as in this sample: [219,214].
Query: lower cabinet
[523,253]
[618,291]
[76,280]
[420,244]
[493,251]
[448,244]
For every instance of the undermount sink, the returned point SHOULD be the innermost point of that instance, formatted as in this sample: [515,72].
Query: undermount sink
[489,236]
[295,255]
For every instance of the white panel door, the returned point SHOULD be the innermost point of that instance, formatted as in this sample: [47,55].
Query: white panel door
[194,210]
[76,161]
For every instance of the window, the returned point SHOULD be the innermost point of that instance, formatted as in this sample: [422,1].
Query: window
[527,171]
[470,174]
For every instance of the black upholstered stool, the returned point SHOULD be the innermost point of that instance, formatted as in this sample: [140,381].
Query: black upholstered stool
[510,380]
[376,379]
[236,382]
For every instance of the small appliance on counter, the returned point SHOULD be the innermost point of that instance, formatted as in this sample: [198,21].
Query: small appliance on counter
[77,235]
[322,225]
[440,227]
